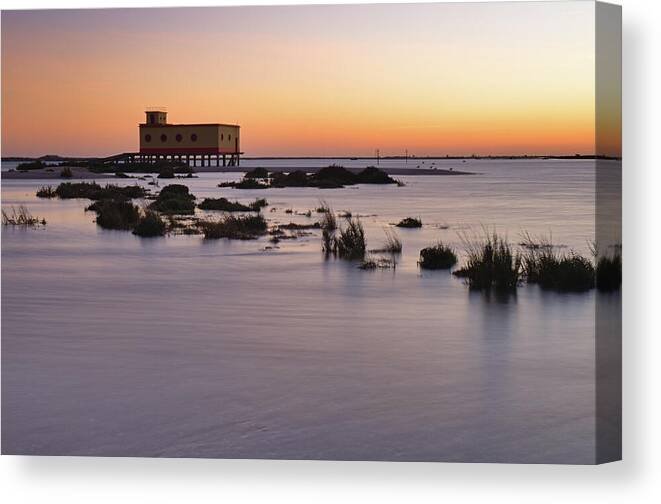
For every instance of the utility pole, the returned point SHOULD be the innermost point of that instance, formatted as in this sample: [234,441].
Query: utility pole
[406,156]
[378,155]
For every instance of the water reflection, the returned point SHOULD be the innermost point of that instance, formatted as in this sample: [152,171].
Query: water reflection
[183,347]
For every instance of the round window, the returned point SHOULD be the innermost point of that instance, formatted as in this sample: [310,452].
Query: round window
[179,138]
[164,138]
[147,138]
[193,137]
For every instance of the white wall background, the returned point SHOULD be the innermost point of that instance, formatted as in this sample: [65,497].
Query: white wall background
[637,479]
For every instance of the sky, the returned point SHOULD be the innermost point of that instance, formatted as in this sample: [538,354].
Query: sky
[430,79]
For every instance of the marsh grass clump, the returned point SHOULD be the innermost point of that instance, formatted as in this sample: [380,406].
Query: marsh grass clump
[439,256]
[246,183]
[247,227]
[93,191]
[331,177]
[373,175]
[174,199]
[149,225]
[223,204]
[409,222]
[491,264]
[37,164]
[564,272]
[392,245]
[115,214]
[350,243]
[21,217]
[609,272]
[328,226]
[257,173]
[328,220]
[374,263]
[258,204]
[560,272]
[297,178]
[295,226]
[66,172]
[46,192]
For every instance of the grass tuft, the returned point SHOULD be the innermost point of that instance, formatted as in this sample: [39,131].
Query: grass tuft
[544,266]
[257,173]
[609,272]
[409,222]
[149,225]
[21,217]
[174,199]
[258,204]
[93,191]
[223,204]
[351,244]
[46,192]
[115,214]
[246,227]
[374,263]
[392,245]
[491,264]
[436,257]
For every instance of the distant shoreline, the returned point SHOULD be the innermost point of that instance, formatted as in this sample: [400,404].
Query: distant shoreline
[84,173]
[55,157]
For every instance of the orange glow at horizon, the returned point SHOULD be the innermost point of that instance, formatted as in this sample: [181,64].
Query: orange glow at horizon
[433,79]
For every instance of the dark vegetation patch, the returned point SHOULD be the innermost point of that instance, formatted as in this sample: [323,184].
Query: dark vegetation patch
[93,191]
[609,272]
[351,244]
[295,226]
[31,165]
[245,184]
[149,225]
[296,178]
[409,222]
[373,175]
[115,214]
[346,242]
[46,192]
[246,227]
[438,256]
[330,177]
[66,172]
[559,272]
[257,173]
[174,199]
[21,217]
[258,204]
[223,204]
[491,264]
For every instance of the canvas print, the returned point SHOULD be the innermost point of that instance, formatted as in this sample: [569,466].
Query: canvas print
[340,232]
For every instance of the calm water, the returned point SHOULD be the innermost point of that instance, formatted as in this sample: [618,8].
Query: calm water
[116,345]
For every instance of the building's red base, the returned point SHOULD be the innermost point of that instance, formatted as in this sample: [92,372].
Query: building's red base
[185,151]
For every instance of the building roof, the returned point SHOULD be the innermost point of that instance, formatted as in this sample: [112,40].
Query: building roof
[200,124]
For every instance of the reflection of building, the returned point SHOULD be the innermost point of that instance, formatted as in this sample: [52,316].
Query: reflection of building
[192,143]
